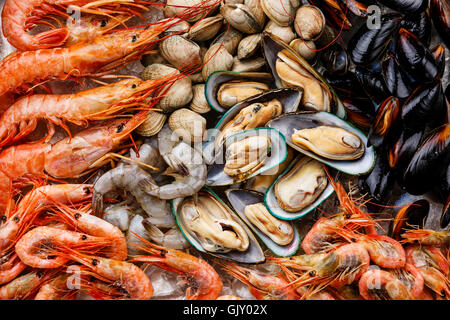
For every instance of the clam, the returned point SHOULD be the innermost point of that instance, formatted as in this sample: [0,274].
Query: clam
[248,65]
[216,58]
[230,39]
[299,189]
[224,88]
[306,49]
[213,228]
[181,52]
[206,28]
[285,34]
[178,8]
[188,124]
[249,46]
[281,237]
[297,72]
[241,18]
[152,125]
[329,142]
[280,11]
[262,182]
[178,28]
[199,103]
[178,94]
[235,91]
[309,22]
[349,153]
[247,154]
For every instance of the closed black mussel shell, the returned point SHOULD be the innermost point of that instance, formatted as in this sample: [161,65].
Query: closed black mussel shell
[373,84]
[409,217]
[367,45]
[358,112]
[405,5]
[415,58]
[420,25]
[439,55]
[429,163]
[397,81]
[346,85]
[378,183]
[440,13]
[403,148]
[335,59]
[386,122]
[425,106]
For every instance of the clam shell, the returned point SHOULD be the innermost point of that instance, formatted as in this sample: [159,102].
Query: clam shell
[216,58]
[274,208]
[229,39]
[206,28]
[309,22]
[180,92]
[272,46]
[280,11]
[199,103]
[248,65]
[286,34]
[188,124]
[254,253]
[152,125]
[240,17]
[181,52]
[287,123]
[216,175]
[249,46]
[239,199]
[218,78]
[178,8]
[304,48]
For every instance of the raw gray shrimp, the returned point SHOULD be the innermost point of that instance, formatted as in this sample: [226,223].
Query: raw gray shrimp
[147,154]
[132,179]
[186,165]
[119,214]
[173,238]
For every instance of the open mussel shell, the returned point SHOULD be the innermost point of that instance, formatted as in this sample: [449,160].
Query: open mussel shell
[289,98]
[429,163]
[408,217]
[272,46]
[275,155]
[218,78]
[254,252]
[273,204]
[239,199]
[288,123]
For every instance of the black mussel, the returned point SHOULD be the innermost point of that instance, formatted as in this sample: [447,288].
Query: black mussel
[429,163]
[357,112]
[358,8]
[379,182]
[409,217]
[439,55]
[447,100]
[445,218]
[367,44]
[335,59]
[405,5]
[373,85]
[397,81]
[424,106]
[440,13]
[415,58]
[403,148]
[346,85]
[420,25]
[386,122]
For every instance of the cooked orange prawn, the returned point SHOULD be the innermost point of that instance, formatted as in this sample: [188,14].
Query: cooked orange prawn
[100,56]
[95,104]
[262,285]
[32,246]
[11,267]
[68,158]
[433,266]
[198,273]
[20,16]
[376,284]
[427,237]
[24,286]
[33,203]
[56,289]
[411,277]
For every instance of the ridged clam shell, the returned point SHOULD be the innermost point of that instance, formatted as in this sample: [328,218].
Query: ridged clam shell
[206,29]
[199,103]
[181,52]
[152,125]
[216,58]
[241,18]
[284,33]
[280,11]
[178,8]
[249,46]
[229,39]
[188,124]
[309,22]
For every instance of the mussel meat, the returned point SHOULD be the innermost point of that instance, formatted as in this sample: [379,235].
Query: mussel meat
[235,91]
